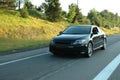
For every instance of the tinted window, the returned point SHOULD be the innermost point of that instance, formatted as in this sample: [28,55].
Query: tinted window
[95,30]
[78,30]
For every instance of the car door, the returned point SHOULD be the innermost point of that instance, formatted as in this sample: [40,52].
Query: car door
[96,38]
[101,37]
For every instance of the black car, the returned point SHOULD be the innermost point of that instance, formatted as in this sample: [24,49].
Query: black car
[81,39]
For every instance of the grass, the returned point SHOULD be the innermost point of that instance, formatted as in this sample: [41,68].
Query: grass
[111,31]
[9,45]
[19,33]
[22,33]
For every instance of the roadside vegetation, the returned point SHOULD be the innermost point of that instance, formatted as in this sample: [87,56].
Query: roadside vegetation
[17,32]
[31,27]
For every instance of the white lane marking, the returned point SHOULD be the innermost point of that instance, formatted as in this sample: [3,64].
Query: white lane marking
[108,70]
[13,61]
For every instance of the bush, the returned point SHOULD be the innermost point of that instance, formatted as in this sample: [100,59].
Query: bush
[36,14]
[24,12]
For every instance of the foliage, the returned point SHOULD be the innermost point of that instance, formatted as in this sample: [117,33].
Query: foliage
[78,16]
[104,18]
[18,33]
[94,17]
[7,4]
[36,14]
[72,12]
[24,12]
[52,10]
[85,20]
[111,19]
[12,26]
[64,14]
[29,5]
[13,45]
[39,9]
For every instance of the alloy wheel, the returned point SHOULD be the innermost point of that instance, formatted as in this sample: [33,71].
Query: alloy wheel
[90,50]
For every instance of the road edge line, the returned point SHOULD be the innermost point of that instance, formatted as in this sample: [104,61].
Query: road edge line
[109,69]
[22,59]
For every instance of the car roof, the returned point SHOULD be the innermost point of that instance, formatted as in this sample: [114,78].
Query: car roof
[83,25]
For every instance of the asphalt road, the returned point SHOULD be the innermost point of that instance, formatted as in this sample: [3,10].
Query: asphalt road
[40,64]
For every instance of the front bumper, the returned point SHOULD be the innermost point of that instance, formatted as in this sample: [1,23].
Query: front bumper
[57,48]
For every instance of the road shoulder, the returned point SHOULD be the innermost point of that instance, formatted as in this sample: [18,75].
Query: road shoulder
[24,54]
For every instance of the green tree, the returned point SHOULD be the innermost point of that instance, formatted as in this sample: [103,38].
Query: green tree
[86,20]
[109,19]
[44,7]
[52,10]
[117,19]
[24,12]
[104,18]
[64,14]
[39,9]
[72,12]
[28,4]
[95,17]
[7,4]
[78,16]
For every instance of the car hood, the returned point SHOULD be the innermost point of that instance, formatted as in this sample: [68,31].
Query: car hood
[71,37]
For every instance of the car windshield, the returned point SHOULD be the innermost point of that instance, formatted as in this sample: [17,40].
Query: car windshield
[78,30]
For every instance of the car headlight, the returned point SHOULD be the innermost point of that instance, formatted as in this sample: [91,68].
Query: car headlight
[82,42]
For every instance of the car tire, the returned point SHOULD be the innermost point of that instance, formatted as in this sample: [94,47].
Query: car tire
[89,50]
[104,45]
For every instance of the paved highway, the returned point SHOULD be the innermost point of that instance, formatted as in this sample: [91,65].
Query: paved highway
[40,64]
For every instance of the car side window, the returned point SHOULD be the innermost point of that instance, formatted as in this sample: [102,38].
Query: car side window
[95,30]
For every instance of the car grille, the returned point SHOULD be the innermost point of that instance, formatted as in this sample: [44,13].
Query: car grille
[63,42]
